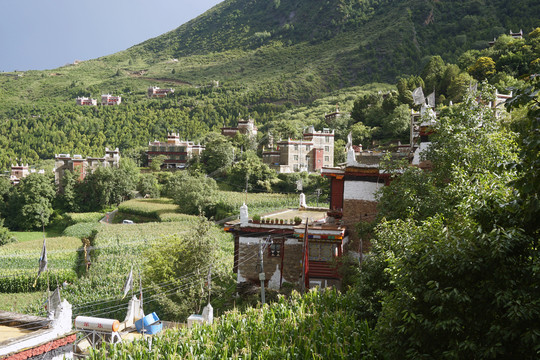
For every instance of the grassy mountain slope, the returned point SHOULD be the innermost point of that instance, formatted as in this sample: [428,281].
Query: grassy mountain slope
[293,49]
[268,56]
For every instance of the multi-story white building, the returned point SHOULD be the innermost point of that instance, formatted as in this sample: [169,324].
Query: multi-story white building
[86,101]
[81,166]
[176,151]
[245,127]
[313,152]
[109,99]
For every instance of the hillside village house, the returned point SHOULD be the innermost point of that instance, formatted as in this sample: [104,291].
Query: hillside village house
[84,101]
[245,127]
[81,166]
[156,92]
[281,240]
[176,151]
[33,337]
[331,233]
[21,171]
[332,117]
[313,152]
[109,99]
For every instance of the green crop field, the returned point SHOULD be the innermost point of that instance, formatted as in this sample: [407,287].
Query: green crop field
[319,325]
[20,262]
[119,247]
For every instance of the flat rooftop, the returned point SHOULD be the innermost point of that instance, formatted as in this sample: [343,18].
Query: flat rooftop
[10,332]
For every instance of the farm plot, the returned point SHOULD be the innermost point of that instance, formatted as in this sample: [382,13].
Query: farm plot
[19,263]
[116,250]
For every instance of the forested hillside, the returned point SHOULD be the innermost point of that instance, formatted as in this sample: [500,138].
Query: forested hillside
[246,58]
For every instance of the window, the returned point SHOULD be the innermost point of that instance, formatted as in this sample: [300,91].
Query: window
[295,147]
[308,147]
[327,158]
[321,252]
[327,148]
[296,157]
[327,139]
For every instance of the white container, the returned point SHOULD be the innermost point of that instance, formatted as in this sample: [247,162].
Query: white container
[94,323]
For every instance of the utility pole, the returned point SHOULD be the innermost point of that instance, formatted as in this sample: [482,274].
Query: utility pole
[262,276]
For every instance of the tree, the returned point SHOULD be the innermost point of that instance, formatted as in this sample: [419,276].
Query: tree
[483,68]
[251,170]
[5,236]
[397,122]
[68,198]
[30,205]
[195,194]
[148,185]
[181,260]
[5,188]
[361,134]
[218,154]
[457,265]
[157,161]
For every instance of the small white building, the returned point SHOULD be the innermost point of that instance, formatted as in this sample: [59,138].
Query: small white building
[84,101]
[156,92]
[109,99]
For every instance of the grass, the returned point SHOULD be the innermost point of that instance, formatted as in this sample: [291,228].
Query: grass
[50,232]
[19,302]
[147,210]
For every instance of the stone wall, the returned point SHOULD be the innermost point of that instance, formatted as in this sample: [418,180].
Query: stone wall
[355,211]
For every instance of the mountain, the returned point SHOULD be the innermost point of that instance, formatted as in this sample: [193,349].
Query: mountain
[267,57]
[302,47]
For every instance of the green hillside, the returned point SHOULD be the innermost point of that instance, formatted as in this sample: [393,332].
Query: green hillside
[267,57]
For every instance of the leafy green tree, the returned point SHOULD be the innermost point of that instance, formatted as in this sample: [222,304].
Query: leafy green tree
[251,170]
[361,134]
[397,122]
[137,154]
[30,205]
[185,259]
[5,236]
[483,68]
[218,154]
[194,194]
[157,161]
[68,197]
[461,291]
[5,188]
[148,185]
[433,74]
[455,270]
[339,151]
[458,87]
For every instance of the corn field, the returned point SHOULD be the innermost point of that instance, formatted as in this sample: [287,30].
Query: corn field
[319,325]
[19,264]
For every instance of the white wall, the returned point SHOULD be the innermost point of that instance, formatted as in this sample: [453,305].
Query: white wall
[360,190]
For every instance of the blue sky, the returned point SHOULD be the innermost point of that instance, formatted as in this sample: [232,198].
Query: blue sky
[46,34]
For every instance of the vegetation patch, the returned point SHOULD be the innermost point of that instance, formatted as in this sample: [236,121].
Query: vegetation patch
[318,325]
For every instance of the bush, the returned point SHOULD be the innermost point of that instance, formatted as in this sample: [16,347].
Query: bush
[81,230]
[75,218]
